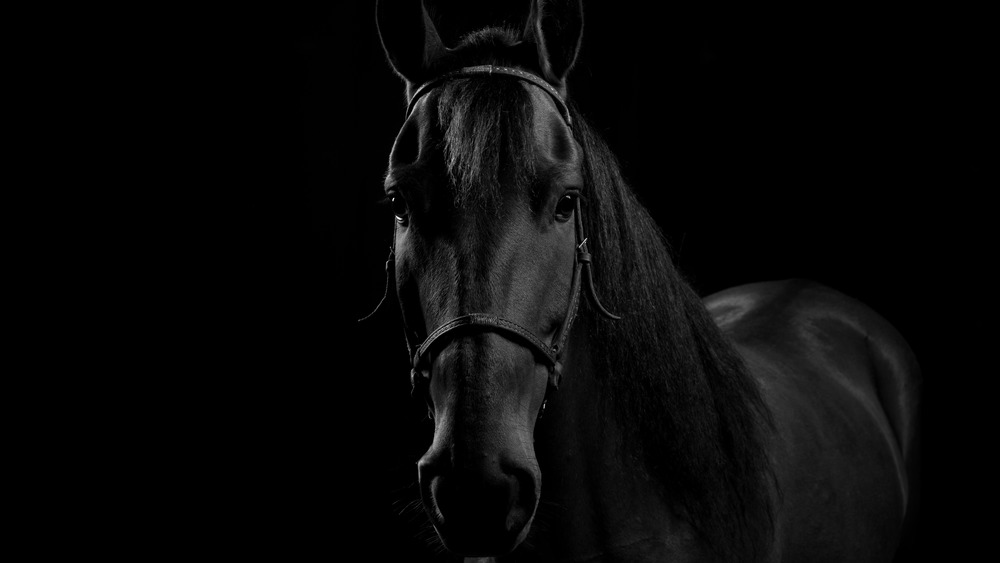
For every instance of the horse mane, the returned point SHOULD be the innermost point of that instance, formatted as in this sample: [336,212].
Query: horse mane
[687,404]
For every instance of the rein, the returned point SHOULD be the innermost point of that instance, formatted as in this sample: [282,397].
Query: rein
[548,354]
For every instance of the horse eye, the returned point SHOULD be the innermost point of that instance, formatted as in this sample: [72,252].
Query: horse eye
[399,208]
[565,207]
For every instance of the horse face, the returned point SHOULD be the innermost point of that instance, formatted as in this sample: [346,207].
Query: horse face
[509,254]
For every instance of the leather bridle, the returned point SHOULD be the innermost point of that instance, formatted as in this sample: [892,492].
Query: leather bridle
[548,354]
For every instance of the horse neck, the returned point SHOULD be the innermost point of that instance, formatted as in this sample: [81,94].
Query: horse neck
[598,501]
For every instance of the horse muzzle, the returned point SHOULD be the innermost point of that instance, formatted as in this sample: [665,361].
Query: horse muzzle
[482,505]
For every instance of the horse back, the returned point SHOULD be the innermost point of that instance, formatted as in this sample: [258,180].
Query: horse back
[843,387]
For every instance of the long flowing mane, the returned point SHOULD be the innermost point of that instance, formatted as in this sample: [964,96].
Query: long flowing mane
[684,398]
[689,409]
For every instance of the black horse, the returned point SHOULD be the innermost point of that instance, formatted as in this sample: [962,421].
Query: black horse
[587,404]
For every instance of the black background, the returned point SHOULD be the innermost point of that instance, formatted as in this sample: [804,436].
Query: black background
[768,142]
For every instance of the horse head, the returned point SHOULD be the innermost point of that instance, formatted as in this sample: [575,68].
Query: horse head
[485,182]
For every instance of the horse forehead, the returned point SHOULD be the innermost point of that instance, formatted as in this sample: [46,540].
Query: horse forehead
[551,135]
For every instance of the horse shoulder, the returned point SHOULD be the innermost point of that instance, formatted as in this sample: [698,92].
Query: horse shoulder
[807,323]
[843,386]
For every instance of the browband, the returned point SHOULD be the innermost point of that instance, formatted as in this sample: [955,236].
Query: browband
[491,70]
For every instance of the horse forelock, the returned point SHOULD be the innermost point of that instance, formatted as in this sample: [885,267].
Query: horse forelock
[487,139]
[487,136]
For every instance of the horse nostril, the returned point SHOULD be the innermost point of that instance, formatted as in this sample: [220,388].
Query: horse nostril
[483,505]
[523,497]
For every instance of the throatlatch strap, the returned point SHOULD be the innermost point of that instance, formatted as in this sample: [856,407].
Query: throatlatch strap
[583,257]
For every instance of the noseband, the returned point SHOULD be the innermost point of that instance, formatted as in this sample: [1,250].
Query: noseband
[548,354]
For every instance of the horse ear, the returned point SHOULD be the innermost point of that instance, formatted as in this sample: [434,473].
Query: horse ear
[555,26]
[410,40]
